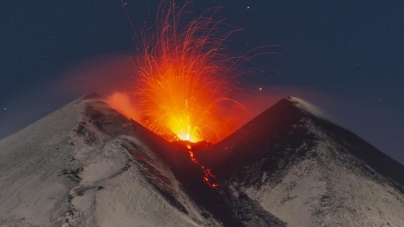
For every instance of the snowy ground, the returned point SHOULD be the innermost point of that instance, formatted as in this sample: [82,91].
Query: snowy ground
[87,165]
[312,172]
[73,168]
[327,189]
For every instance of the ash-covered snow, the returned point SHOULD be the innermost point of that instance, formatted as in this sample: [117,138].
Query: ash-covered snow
[307,171]
[331,188]
[87,165]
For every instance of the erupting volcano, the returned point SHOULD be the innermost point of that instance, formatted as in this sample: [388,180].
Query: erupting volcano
[167,153]
[184,78]
[89,165]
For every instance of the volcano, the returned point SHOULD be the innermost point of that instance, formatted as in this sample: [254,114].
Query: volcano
[86,164]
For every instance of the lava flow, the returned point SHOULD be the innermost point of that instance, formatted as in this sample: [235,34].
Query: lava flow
[208,177]
[183,77]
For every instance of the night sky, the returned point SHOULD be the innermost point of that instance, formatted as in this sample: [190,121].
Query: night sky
[344,56]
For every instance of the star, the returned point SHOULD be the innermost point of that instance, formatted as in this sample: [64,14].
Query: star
[260,88]
[248,7]
[5,108]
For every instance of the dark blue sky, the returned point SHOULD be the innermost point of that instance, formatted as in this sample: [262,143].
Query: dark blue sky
[344,56]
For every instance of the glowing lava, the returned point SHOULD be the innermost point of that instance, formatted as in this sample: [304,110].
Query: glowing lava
[209,178]
[183,79]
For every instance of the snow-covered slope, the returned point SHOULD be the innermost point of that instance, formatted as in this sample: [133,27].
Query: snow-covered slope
[87,165]
[308,171]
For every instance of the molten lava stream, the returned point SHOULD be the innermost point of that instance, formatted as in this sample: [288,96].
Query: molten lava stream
[208,177]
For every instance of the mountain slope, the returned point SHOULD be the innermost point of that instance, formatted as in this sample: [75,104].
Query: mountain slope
[87,165]
[308,171]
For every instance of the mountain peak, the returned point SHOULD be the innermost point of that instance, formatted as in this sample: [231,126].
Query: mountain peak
[299,166]
[289,166]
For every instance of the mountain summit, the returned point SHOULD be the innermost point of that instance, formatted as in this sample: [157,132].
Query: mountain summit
[88,165]
[308,171]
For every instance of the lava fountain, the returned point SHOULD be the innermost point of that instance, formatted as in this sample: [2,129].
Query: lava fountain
[184,78]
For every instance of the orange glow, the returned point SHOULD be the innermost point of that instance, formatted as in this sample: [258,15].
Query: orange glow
[184,79]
